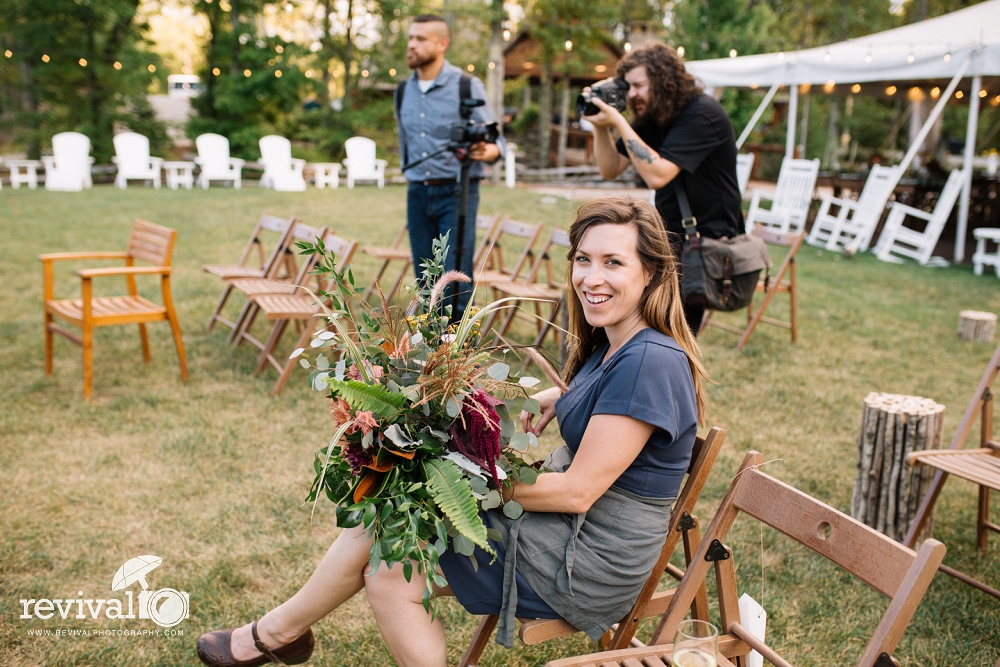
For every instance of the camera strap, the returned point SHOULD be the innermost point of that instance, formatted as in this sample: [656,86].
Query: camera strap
[464,93]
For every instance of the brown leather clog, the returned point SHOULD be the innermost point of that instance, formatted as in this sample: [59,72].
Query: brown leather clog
[215,650]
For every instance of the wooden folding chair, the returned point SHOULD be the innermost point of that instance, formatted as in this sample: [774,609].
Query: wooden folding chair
[887,566]
[682,526]
[251,287]
[979,466]
[396,252]
[532,288]
[490,266]
[147,242]
[297,307]
[769,286]
[270,267]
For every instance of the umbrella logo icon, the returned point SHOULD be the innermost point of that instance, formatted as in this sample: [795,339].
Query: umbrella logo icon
[166,606]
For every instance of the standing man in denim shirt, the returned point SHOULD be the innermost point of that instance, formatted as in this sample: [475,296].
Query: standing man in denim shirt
[425,115]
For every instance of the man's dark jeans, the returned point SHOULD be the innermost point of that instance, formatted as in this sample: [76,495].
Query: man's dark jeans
[432,210]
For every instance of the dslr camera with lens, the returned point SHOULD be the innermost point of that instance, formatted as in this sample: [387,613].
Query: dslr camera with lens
[612,91]
[467,132]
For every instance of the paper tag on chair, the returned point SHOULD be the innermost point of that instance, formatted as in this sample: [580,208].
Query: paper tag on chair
[754,619]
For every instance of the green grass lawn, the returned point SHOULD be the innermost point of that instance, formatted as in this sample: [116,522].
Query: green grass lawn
[210,474]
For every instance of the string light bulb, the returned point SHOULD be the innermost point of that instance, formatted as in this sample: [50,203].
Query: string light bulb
[83,62]
[151,68]
[365,73]
[890,91]
[732,53]
[935,92]
[118,65]
[216,71]
[492,65]
[392,72]
[8,53]
[277,73]
[868,57]
[45,58]
[680,51]
[246,73]
[829,85]
[569,44]
[909,58]
[471,67]
[983,93]
[959,94]
[826,57]
[506,35]
[856,88]
[628,46]
[947,57]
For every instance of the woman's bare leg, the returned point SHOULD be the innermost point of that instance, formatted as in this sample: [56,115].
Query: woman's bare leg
[337,578]
[409,634]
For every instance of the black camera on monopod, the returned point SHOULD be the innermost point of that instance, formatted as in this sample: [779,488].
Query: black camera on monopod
[612,91]
[467,131]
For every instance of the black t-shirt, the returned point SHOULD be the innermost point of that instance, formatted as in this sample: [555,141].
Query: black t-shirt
[700,140]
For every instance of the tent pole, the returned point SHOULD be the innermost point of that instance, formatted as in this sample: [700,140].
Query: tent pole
[932,118]
[756,116]
[970,151]
[793,112]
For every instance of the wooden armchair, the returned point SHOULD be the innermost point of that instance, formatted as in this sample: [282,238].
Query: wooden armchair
[885,565]
[149,243]
[683,526]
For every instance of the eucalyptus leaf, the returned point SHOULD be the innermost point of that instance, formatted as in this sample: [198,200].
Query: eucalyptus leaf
[531,405]
[319,382]
[532,439]
[453,406]
[499,371]
[520,441]
[507,427]
[527,475]
[478,485]
[340,371]
[492,500]
[528,381]
[304,363]
[512,509]
[463,545]
[322,362]
[494,534]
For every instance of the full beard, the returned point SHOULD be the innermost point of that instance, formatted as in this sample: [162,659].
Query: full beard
[413,61]
[640,117]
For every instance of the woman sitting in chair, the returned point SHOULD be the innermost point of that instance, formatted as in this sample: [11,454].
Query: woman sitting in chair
[593,527]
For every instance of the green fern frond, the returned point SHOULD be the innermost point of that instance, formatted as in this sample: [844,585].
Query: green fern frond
[373,398]
[451,492]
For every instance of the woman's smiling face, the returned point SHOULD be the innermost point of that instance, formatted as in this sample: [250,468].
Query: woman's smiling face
[608,276]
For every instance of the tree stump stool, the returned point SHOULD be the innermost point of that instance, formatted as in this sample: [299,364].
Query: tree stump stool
[975,325]
[887,492]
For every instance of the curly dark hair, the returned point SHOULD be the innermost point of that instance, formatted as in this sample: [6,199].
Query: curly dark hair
[671,87]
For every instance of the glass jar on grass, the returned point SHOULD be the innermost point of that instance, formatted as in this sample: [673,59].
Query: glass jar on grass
[696,644]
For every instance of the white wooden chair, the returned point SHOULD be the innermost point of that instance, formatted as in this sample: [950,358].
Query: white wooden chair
[68,168]
[361,163]
[282,172]
[899,240]
[216,165]
[854,222]
[133,160]
[744,166]
[790,201]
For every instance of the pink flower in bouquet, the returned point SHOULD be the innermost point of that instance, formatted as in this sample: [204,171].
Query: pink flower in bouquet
[364,421]
[341,412]
[476,433]
[374,371]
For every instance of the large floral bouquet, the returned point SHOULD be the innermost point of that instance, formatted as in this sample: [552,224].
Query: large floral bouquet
[423,415]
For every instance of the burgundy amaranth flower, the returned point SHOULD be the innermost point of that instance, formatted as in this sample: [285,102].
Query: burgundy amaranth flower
[476,434]
[356,456]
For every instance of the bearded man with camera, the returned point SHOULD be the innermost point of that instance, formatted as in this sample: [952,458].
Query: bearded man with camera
[443,124]
[679,138]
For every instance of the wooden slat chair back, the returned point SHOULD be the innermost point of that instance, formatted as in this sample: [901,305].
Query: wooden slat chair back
[791,199]
[298,307]
[744,167]
[253,286]
[897,239]
[770,286]
[534,286]
[492,258]
[149,243]
[683,526]
[892,569]
[854,222]
[980,466]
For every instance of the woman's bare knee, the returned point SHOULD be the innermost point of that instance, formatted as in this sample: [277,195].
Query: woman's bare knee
[389,586]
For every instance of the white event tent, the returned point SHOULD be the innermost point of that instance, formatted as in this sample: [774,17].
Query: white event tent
[962,44]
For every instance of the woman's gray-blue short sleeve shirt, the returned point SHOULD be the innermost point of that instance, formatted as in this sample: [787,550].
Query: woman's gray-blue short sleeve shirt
[648,379]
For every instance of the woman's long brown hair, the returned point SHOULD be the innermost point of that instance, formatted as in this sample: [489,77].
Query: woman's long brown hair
[660,303]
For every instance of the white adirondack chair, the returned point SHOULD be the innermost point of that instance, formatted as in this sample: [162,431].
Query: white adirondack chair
[133,160]
[282,172]
[68,168]
[855,221]
[744,165]
[899,240]
[216,165]
[790,201]
[361,163]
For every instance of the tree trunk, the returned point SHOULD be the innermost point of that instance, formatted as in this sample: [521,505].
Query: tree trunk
[348,52]
[563,123]
[494,84]
[545,114]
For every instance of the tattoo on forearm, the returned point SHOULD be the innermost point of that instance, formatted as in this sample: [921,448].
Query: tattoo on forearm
[639,151]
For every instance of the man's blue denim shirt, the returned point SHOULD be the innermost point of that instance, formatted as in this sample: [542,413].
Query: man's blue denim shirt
[425,121]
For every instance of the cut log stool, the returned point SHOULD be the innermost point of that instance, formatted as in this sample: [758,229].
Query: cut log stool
[977,326]
[887,492]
